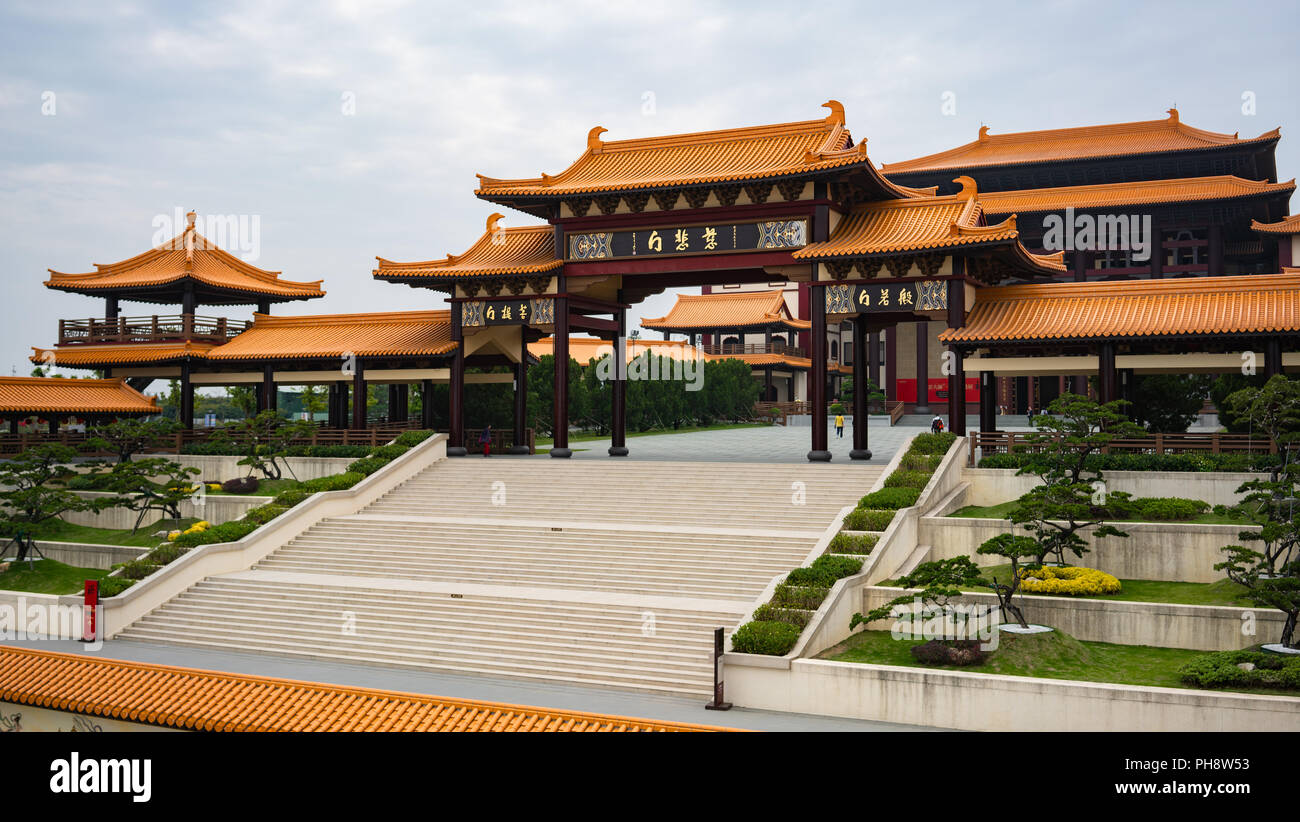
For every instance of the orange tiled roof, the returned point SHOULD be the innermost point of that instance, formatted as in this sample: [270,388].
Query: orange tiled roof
[746,309]
[71,396]
[198,700]
[586,349]
[1114,195]
[397,333]
[188,255]
[1087,142]
[762,360]
[1289,225]
[122,354]
[520,250]
[730,155]
[1250,304]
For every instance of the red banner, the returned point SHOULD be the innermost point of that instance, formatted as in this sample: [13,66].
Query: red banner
[938,390]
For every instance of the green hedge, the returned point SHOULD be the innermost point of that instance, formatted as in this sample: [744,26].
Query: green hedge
[1151,462]
[225,532]
[263,514]
[863,519]
[413,438]
[390,452]
[908,479]
[334,482]
[112,586]
[932,444]
[792,616]
[368,465]
[1219,670]
[290,498]
[852,544]
[890,498]
[761,637]
[795,596]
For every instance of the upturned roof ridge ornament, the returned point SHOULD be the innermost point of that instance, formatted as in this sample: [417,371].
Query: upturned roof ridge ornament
[594,143]
[836,117]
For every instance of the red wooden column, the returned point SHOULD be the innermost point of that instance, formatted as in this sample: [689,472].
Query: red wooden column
[359,396]
[186,412]
[1272,357]
[891,363]
[456,386]
[1106,381]
[988,401]
[817,374]
[922,330]
[426,404]
[956,374]
[860,451]
[520,445]
[561,348]
[618,401]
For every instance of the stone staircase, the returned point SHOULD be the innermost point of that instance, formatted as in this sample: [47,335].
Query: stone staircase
[611,574]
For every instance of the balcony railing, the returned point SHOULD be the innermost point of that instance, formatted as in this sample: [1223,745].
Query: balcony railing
[157,328]
[754,348]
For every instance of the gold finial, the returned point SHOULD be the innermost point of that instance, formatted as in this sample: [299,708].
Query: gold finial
[836,117]
[984,133]
[190,218]
[594,143]
[1173,114]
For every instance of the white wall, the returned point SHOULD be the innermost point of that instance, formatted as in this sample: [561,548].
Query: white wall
[992,486]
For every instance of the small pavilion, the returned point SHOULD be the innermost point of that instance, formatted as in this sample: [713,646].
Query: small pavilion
[54,400]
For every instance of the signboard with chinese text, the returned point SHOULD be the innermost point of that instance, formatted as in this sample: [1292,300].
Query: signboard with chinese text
[721,238]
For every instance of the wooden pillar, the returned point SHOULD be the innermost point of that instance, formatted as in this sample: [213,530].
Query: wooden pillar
[456,394]
[1216,249]
[1272,357]
[923,366]
[263,306]
[359,397]
[110,308]
[1080,385]
[817,374]
[1106,382]
[1157,251]
[861,449]
[988,402]
[1124,377]
[13,426]
[891,363]
[403,402]
[426,404]
[185,414]
[269,399]
[1079,263]
[520,444]
[54,426]
[957,374]
[561,395]
[874,359]
[767,383]
[392,402]
[618,401]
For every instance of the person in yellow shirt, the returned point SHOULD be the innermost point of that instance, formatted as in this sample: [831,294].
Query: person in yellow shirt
[839,425]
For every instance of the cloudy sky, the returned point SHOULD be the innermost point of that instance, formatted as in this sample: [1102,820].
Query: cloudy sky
[113,113]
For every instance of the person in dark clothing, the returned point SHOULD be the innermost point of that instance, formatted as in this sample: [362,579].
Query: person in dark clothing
[485,440]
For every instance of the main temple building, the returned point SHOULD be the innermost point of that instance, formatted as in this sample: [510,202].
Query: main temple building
[992,276]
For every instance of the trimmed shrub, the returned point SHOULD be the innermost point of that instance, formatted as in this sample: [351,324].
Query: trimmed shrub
[932,444]
[769,638]
[908,479]
[863,519]
[165,554]
[112,586]
[920,462]
[412,438]
[1071,581]
[137,569]
[770,613]
[225,532]
[1169,508]
[843,543]
[794,596]
[1151,462]
[368,465]
[334,482]
[824,571]
[1219,670]
[290,498]
[390,452]
[890,498]
[240,485]
[327,451]
[263,514]
[89,482]
[949,652]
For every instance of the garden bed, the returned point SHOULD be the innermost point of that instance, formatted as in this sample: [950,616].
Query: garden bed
[48,577]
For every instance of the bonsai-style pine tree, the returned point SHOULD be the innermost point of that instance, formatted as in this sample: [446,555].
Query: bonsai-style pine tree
[127,437]
[1013,548]
[152,484]
[940,581]
[1071,497]
[35,493]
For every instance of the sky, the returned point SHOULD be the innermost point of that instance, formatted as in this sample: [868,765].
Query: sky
[353,129]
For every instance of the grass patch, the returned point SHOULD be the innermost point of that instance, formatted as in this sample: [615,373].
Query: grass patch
[60,531]
[1050,656]
[1003,511]
[48,577]
[265,488]
[1222,592]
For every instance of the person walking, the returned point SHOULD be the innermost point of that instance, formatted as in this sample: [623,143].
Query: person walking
[485,440]
[839,425]
[936,425]
[1030,412]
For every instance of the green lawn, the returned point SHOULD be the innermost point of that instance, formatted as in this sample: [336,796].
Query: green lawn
[1003,511]
[48,577]
[585,436]
[1051,656]
[1223,592]
[60,531]
[265,488]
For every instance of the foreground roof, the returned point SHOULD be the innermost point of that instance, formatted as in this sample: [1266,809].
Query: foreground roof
[727,156]
[1087,142]
[746,309]
[85,356]
[397,333]
[72,396]
[518,250]
[187,256]
[197,700]
[1289,225]
[1115,195]
[1181,307]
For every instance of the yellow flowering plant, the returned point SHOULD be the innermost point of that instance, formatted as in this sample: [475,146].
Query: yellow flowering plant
[1068,581]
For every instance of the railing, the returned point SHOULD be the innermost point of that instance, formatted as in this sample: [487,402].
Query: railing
[156,328]
[785,410]
[502,440]
[1005,442]
[722,349]
[374,435]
